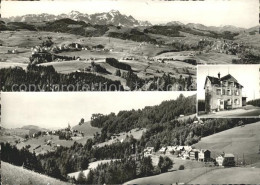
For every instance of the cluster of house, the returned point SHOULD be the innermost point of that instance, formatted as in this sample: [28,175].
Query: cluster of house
[227,47]
[189,153]
[75,134]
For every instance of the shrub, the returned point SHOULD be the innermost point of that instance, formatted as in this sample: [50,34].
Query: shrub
[181,167]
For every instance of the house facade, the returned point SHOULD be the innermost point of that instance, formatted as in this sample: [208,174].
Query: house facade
[222,93]
[194,154]
[204,155]
[226,160]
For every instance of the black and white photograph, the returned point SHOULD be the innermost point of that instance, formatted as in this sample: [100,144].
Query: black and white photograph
[129,92]
[122,138]
[228,91]
[108,45]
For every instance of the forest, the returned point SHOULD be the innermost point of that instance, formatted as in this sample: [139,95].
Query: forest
[124,121]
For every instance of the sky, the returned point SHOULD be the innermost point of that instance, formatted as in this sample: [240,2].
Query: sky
[246,75]
[241,13]
[57,109]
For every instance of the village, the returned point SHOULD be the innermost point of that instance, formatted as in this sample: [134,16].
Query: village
[191,153]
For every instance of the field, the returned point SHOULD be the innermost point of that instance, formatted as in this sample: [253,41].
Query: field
[39,144]
[180,176]
[23,41]
[241,141]
[137,134]
[87,129]
[17,175]
[92,165]
[230,176]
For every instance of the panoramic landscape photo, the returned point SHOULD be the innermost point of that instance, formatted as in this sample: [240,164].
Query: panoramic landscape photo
[121,45]
[123,138]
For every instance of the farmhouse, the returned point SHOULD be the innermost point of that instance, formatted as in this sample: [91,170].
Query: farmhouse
[226,160]
[194,154]
[222,93]
[204,155]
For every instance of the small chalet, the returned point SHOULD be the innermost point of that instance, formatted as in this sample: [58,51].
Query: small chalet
[194,154]
[204,155]
[226,160]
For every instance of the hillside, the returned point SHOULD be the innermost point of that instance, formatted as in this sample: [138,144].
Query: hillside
[17,175]
[87,129]
[180,176]
[239,141]
[230,176]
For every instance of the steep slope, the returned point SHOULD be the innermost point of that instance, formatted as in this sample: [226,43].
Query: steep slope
[17,175]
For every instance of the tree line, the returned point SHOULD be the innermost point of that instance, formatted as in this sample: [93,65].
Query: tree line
[255,102]
[45,78]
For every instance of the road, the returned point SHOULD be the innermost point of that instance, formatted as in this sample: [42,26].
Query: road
[248,111]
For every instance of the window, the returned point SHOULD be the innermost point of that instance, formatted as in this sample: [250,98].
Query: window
[223,91]
[229,101]
[228,92]
[218,91]
[236,102]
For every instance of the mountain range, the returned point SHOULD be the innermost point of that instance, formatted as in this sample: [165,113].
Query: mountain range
[113,17]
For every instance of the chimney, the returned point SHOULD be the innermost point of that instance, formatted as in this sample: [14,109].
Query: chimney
[218,75]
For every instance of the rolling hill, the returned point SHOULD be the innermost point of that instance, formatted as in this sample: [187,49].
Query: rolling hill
[17,175]
[87,129]
[241,141]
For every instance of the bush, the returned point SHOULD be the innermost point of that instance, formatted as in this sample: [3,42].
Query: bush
[120,65]
[181,167]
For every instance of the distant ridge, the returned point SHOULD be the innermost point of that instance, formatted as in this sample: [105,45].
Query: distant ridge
[113,17]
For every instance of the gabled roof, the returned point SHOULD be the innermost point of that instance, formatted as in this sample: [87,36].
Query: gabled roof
[216,81]
[228,77]
[229,155]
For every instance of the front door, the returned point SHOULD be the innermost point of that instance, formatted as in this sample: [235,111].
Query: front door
[220,104]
